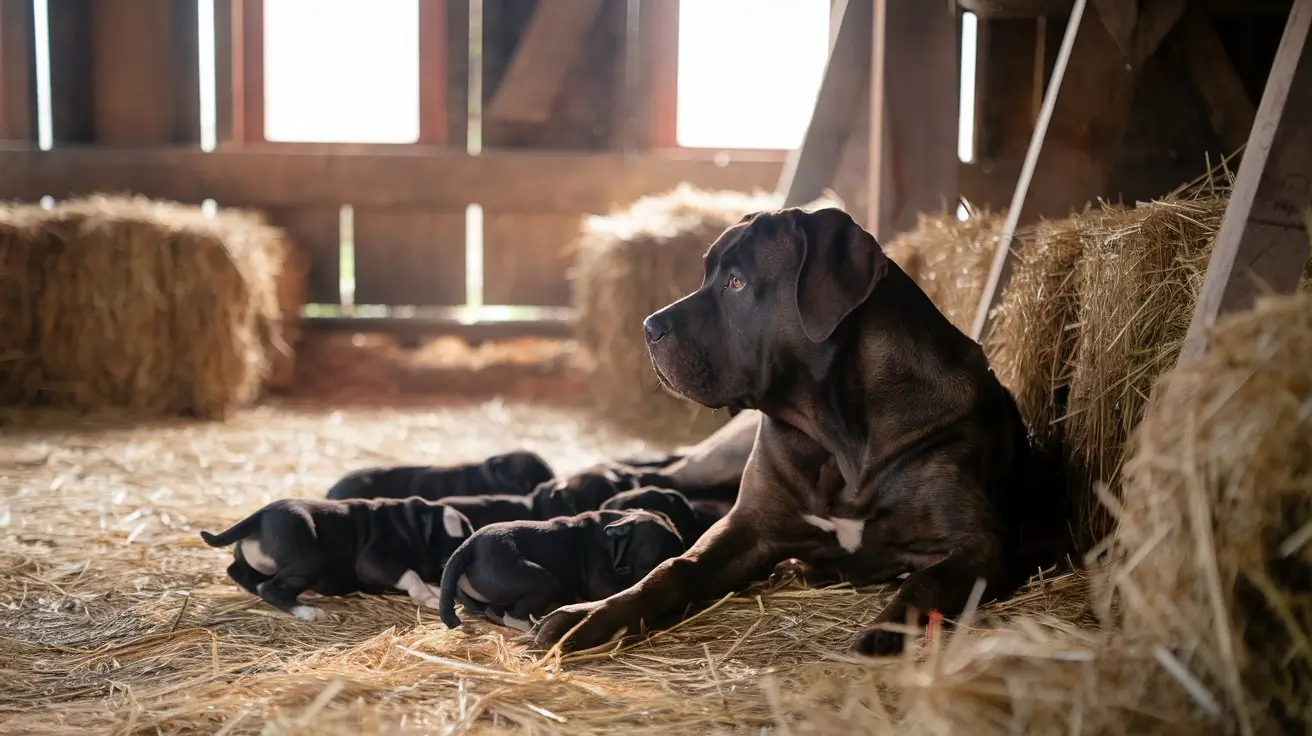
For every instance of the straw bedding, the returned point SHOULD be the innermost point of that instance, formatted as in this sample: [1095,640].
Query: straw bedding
[630,263]
[146,306]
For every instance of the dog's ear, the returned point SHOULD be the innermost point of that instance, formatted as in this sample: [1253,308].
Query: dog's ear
[841,263]
[620,534]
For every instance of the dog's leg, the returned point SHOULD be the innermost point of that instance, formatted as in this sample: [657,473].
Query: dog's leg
[730,555]
[246,576]
[945,587]
[282,591]
[420,592]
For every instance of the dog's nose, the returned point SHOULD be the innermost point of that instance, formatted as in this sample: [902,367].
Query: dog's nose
[656,327]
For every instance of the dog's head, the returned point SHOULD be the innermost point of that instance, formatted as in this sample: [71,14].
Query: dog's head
[672,504]
[584,491]
[516,472]
[638,541]
[776,289]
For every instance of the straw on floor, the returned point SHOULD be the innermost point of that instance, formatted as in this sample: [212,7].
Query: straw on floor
[148,306]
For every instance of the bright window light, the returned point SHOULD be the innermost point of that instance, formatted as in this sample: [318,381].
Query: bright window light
[749,71]
[966,121]
[341,71]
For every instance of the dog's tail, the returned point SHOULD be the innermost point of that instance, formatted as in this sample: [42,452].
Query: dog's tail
[460,561]
[234,533]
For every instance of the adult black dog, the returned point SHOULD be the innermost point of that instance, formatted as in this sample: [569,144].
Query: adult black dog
[339,547]
[513,473]
[887,447]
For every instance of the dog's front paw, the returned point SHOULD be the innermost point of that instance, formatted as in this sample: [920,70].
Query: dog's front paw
[879,643]
[309,613]
[597,624]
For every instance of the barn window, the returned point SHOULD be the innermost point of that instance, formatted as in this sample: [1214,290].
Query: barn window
[749,71]
[341,71]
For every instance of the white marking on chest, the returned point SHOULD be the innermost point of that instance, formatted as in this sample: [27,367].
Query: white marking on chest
[848,531]
[453,521]
[515,623]
[255,557]
[420,591]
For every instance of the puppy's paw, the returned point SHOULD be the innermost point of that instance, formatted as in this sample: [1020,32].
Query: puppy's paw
[791,570]
[597,624]
[879,643]
[309,613]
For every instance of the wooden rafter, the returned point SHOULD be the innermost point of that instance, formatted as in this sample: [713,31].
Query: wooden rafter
[1263,242]
[17,71]
[551,44]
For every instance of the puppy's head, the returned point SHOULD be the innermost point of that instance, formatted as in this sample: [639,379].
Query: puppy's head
[516,472]
[585,491]
[776,286]
[671,504]
[639,541]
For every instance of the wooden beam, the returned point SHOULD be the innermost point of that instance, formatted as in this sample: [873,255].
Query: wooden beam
[433,322]
[1079,132]
[1000,269]
[17,72]
[438,178]
[251,28]
[1263,242]
[69,24]
[553,40]
[814,165]
[914,103]
[1197,47]
[144,71]
[444,72]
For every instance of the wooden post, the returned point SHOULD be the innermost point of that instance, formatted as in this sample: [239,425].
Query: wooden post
[69,24]
[914,104]
[17,72]
[651,76]
[1263,243]
[444,72]
[843,91]
[144,71]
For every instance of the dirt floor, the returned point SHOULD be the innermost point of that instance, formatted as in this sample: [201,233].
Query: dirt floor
[116,618]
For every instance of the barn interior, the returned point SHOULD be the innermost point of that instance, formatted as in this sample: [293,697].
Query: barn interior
[247,246]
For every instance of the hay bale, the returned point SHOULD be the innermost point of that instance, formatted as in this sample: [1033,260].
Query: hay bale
[630,263]
[141,305]
[1210,557]
[949,259]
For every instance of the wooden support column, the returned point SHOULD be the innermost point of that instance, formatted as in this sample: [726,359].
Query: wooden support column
[914,104]
[17,72]
[844,90]
[1263,242]
[144,71]
[444,72]
[652,77]
[71,104]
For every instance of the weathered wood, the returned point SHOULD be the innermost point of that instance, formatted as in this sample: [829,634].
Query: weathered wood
[1263,242]
[227,72]
[409,257]
[1005,69]
[443,322]
[70,71]
[436,179]
[144,71]
[651,76]
[545,54]
[914,102]
[316,232]
[17,72]
[252,70]
[1198,49]
[1119,17]
[1000,269]
[526,257]
[444,72]
[814,165]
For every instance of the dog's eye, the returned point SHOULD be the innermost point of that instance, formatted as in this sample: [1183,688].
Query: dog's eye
[734,283]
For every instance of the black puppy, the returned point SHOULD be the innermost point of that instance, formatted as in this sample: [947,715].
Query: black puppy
[516,572]
[672,504]
[585,491]
[339,547]
[513,473]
